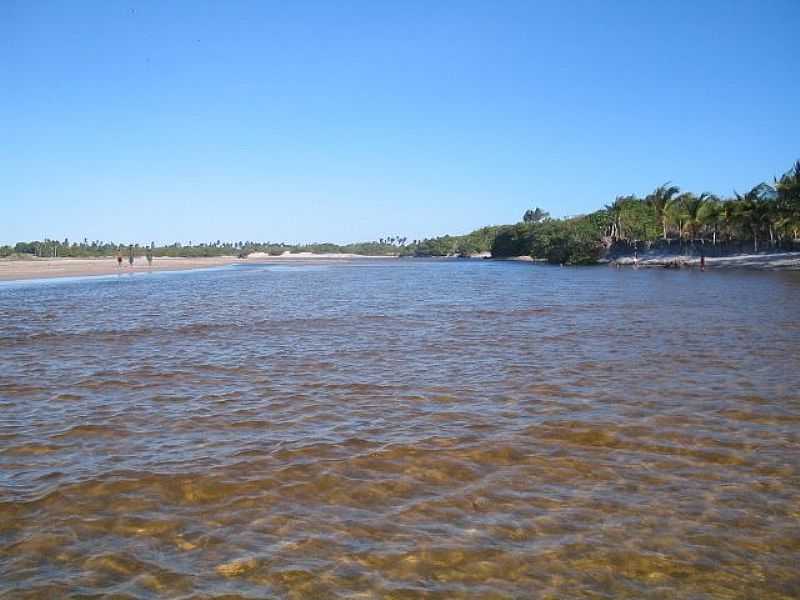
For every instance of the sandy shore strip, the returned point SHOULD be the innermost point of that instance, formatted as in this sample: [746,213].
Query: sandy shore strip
[773,261]
[516,258]
[264,257]
[46,268]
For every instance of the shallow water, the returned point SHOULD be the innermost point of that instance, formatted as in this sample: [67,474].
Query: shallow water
[403,429]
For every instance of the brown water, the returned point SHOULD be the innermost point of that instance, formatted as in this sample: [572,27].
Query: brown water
[404,429]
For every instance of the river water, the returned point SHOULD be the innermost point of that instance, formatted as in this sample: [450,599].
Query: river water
[401,429]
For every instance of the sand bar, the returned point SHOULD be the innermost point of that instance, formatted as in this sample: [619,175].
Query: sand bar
[775,261]
[45,268]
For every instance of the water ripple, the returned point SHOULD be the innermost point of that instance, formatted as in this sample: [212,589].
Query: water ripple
[418,429]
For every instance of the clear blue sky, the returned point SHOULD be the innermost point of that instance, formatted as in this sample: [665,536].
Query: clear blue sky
[343,121]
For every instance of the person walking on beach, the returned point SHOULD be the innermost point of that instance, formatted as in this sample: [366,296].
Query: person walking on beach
[130,254]
[119,259]
[149,256]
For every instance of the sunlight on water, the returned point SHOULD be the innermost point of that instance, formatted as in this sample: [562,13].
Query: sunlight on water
[416,429]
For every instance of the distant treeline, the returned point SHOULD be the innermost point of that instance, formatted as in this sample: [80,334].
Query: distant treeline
[55,248]
[766,217]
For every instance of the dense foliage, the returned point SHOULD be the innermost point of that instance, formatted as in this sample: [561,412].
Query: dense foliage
[476,242]
[561,241]
[767,214]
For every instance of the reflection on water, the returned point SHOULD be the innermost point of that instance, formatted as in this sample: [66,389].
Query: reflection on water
[416,429]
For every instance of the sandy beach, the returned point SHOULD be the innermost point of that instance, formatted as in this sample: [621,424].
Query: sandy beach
[772,261]
[46,268]
[264,257]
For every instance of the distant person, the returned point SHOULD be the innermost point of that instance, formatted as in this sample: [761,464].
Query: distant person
[149,257]
[130,255]
[119,260]
[635,259]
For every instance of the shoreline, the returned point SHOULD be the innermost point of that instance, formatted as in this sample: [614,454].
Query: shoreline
[52,268]
[777,261]
[23,269]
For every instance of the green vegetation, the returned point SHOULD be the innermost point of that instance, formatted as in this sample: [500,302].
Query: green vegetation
[666,219]
[743,222]
[477,242]
[766,217]
[54,248]
[574,241]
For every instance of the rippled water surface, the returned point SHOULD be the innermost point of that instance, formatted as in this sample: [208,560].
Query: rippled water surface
[401,429]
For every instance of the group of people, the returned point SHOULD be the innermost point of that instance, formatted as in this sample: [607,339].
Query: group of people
[148,255]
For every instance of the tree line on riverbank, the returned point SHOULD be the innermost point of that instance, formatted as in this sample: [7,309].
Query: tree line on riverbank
[766,217]
[55,248]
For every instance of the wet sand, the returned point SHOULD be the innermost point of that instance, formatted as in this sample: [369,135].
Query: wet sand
[46,268]
[772,261]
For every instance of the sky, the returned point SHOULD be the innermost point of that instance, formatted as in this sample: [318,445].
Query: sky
[348,121]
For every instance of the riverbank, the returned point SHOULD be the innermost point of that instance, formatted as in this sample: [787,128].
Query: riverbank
[17,269]
[46,268]
[772,262]
[264,257]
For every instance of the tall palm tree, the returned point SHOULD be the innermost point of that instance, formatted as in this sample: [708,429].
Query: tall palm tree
[675,213]
[710,214]
[788,200]
[691,206]
[730,217]
[753,212]
[614,212]
[659,199]
[688,205]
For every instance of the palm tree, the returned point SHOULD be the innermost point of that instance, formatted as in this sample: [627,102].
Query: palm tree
[659,200]
[730,217]
[788,200]
[614,212]
[710,214]
[753,211]
[675,213]
[691,207]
